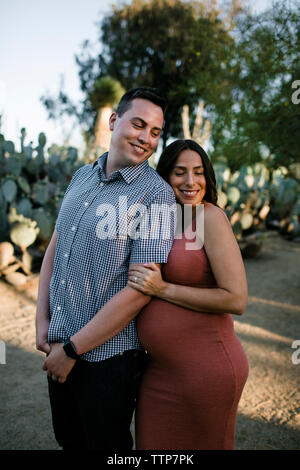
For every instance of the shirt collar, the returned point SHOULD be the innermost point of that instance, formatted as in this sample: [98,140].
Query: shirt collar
[128,173]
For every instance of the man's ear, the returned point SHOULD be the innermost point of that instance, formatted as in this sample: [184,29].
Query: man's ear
[112,121]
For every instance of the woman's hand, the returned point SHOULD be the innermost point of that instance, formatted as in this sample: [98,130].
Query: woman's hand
[147,279]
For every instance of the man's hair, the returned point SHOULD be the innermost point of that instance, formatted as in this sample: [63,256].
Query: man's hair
[145,93]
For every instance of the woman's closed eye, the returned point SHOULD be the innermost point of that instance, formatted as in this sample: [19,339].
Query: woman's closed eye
[200,173]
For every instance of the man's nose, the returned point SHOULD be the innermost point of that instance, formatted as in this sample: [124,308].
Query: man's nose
[144,136]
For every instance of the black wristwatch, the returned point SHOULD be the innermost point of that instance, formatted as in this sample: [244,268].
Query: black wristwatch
[70,349]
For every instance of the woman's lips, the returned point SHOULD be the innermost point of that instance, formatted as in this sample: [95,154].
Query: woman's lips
[189,193]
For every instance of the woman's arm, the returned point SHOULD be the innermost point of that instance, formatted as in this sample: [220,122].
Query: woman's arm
[227,265]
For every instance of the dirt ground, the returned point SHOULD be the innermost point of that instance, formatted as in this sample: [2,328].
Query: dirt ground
[269,411]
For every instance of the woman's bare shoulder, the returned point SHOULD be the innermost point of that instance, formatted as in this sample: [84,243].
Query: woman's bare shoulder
[214,214]
[217,227]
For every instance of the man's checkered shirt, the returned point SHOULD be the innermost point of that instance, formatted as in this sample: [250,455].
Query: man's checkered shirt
[89,267]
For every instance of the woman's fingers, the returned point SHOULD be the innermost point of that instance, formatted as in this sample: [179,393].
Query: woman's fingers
[135,285]
[136,276]
[138,271]
[152,266]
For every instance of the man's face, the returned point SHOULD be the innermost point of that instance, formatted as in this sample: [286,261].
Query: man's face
[136,133]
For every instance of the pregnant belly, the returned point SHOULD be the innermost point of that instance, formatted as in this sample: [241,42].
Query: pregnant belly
[167,330]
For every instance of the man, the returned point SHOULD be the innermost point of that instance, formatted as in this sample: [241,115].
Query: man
[85,310]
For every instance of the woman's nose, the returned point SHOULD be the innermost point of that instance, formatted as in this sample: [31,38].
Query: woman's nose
[190,179]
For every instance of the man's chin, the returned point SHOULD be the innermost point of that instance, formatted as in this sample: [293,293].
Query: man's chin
[138,159]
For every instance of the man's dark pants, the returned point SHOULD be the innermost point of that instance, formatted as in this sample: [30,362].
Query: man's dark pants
[93,409]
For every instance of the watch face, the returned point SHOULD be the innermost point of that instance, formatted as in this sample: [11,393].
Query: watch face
[70,349]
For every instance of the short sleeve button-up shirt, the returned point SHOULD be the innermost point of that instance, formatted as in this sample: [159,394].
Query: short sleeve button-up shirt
[100,233]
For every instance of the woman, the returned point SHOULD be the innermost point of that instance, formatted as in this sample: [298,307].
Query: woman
[197,369]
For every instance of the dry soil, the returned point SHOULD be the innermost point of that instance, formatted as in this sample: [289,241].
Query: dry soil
[269,411]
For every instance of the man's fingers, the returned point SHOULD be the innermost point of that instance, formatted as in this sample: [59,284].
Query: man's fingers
[43,347]
[56,378]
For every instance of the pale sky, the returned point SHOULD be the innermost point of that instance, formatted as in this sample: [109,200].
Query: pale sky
[38,41]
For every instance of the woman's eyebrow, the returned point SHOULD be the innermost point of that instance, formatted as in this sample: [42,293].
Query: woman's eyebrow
[184,167]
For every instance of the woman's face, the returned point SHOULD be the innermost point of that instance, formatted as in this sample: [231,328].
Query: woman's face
[187,178]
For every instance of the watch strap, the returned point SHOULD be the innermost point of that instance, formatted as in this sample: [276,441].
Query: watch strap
[70,349]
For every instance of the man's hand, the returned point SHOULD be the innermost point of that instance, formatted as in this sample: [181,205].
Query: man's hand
[42,337]
[58,364]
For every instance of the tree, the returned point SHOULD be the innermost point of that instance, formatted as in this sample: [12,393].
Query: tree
[264,114]
[183,48]
[201,133]
[106,94]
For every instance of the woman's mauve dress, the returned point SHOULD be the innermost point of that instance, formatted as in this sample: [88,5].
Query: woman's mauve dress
[197,370]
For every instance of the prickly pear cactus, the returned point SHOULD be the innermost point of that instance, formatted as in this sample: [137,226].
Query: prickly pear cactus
[256,199]
[40,192]
[24,207]
[23,234]
[6,254]
[45,221]
[23,184]
[14,166]
[24,231]
[16,278]
[9,189]
[33,183]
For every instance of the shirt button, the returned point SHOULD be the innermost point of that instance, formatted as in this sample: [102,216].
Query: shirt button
[58,307]
[63,281]
[73,228]
[66,255]
[101,184]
